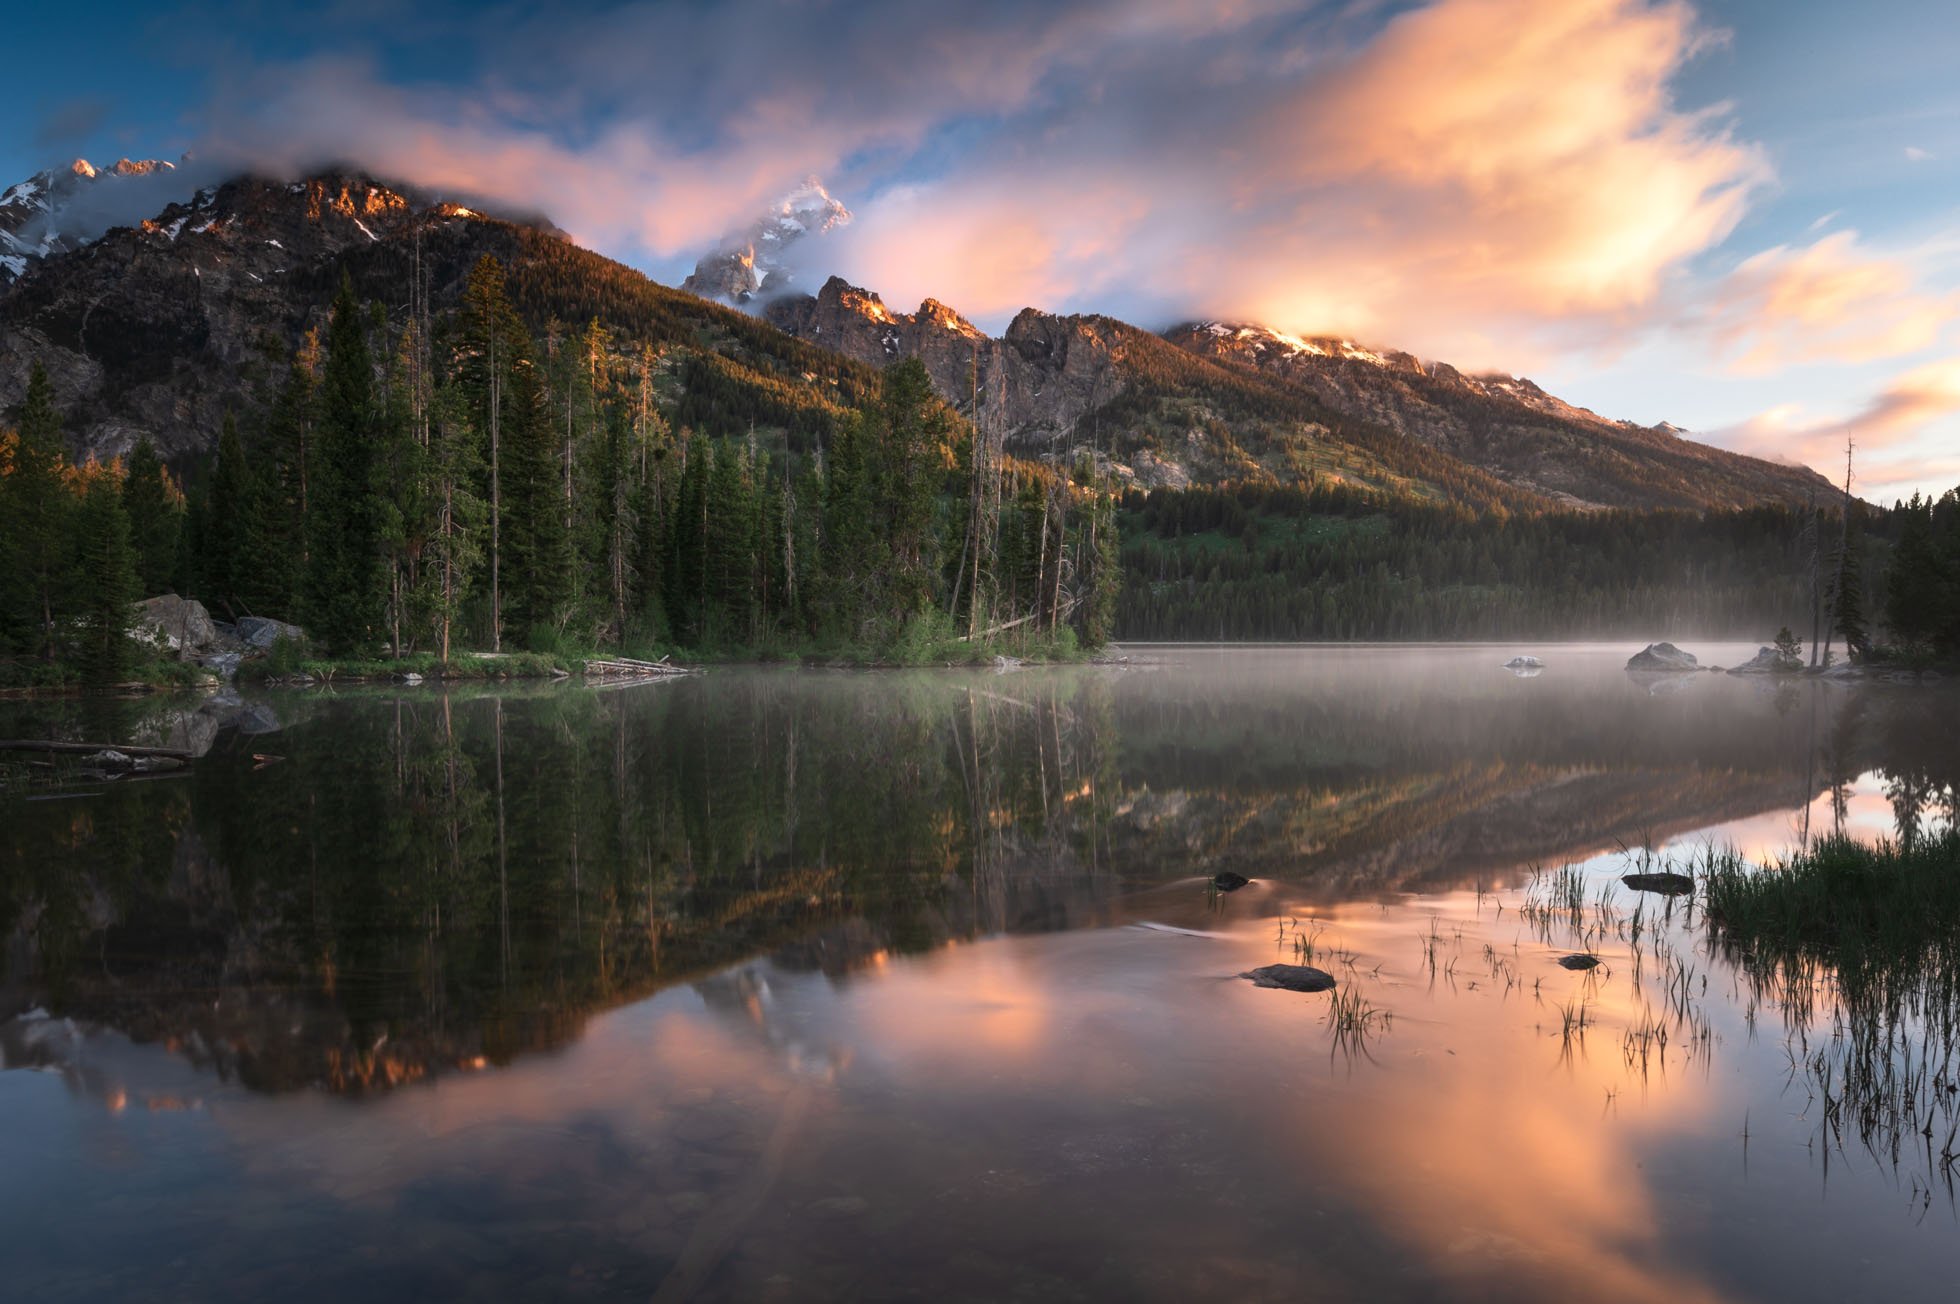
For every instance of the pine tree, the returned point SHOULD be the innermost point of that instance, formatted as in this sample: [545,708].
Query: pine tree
[1848,596]
[105,582]
[537,570]
[156,516]
[686,570]
[729,549]
[228,557]
[490,347]
[454,552]
[343,588]
[36,519]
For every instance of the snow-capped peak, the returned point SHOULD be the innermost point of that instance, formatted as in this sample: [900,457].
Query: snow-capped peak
[753,262]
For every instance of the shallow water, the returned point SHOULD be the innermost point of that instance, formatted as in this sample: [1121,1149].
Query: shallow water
[772,984]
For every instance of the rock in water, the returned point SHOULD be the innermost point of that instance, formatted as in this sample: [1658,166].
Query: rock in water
[1671,884]
[1226,881]
[1291,977]
[1768,661]
[1662,656]
[1578,962]
[1524,663]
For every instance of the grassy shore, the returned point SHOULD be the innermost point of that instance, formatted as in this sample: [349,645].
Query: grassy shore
[1884,919]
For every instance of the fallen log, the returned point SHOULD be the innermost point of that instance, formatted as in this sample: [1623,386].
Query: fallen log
[91,749]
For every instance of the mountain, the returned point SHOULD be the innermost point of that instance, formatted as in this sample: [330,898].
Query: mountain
[32,211]
[756,263]
[1155,416]
[1210,402]
[160,328]
[1506,425]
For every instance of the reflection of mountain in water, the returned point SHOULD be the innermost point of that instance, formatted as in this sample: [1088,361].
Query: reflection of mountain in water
[425,884]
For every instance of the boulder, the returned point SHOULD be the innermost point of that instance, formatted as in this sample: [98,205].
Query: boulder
[1226,881]
[1578,962]
[1291,977]
[1662,656]
[179,625]
[1768,661]
[261,632]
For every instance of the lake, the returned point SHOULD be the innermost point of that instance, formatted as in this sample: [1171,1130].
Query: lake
[774,984]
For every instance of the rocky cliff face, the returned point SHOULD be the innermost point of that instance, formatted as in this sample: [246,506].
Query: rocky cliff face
[1041,384]
[1506,425]
[757,263]
[1246,402]
[157,329]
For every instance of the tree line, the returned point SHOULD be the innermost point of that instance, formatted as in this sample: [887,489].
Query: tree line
[448,481]
[1331,562]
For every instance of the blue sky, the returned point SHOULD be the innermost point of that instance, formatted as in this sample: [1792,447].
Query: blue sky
[1740,217]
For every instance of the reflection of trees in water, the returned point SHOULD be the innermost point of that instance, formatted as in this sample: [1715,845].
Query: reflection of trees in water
[436,879]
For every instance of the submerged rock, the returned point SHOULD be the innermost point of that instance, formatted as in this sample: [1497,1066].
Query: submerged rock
[1226,881]
[1578,962]
[1671,884]
[1662,656]
[1291,977]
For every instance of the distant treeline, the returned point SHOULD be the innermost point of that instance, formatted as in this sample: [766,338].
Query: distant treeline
[1260,562]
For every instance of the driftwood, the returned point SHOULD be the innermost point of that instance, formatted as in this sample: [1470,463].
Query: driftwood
[91,749]
[628,668]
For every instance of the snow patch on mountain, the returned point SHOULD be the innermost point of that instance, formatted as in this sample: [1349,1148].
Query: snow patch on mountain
[763,261]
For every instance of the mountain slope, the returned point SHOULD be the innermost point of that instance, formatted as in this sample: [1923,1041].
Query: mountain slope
[1059,387]
[1507,426]
[158,329]
[1210,403]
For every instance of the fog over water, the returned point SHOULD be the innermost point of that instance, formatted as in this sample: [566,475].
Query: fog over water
[793,984]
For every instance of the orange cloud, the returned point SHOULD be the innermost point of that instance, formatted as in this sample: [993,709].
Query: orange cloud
[1480,179]
[1898,415]
[1828,301]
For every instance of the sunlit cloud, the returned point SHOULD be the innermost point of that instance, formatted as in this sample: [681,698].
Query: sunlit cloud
[1833,300]
[1484,180]
[1897,423]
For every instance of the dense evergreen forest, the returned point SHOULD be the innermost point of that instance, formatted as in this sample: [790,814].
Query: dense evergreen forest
[1259,562]
[450,481]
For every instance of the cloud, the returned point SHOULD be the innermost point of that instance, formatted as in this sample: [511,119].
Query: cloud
[71,121]
[1917,155]
[1473,179]
[1904,419]
[1830,301]
[1476,180]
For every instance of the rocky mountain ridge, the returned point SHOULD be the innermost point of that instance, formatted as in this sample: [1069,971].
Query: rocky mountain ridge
[1049,379]
[158,328]
[31,211]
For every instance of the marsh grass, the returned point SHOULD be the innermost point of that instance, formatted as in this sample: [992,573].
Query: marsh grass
[1859,946]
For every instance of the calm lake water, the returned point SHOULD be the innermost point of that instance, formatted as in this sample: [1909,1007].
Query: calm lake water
[785,985]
